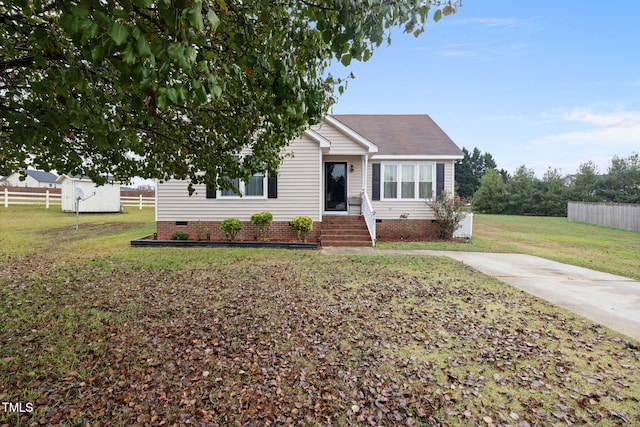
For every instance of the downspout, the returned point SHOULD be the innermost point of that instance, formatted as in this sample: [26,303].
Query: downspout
[155,201]
[365,170]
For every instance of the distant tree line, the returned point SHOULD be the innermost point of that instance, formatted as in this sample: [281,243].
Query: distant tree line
[496,191]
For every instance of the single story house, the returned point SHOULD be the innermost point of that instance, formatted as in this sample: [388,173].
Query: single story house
[361,178]
[33,179]
[93,198]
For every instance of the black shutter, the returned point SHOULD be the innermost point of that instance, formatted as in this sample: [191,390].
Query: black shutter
[212,189]
[439,179]
[272,186]
[375,181]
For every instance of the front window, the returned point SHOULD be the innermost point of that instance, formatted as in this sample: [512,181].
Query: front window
[425,182]
[408,181]
[235,183]
[390,181]
[254,187]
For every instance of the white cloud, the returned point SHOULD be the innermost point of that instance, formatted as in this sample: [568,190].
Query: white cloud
[457,53]
[613,119]
[483,51]
[633,83]
[531,23]
[605,129]
[491,22]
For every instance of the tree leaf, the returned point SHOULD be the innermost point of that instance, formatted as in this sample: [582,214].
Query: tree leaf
[118,33]
[143,48]
[195,18]
[213,19]
[128,56]
[217,91]
[173,95]
[97,53]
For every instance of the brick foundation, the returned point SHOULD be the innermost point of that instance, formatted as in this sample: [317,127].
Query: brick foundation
[389,230]
[198,230]
[393,230]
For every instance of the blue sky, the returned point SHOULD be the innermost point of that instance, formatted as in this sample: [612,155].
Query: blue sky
[546,84]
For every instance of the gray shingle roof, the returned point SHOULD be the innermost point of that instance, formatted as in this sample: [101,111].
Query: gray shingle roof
[404,134]
[42,176]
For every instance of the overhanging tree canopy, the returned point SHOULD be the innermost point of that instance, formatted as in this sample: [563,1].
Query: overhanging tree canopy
[169,88]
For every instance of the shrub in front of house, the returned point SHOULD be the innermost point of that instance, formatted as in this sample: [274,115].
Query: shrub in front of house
[302,225]
[180,235]
[231,227]
[261,221]
[202,231]
[448,213]
[409,228]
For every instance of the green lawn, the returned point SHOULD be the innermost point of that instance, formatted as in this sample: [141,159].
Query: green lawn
[94,332]
[600,248]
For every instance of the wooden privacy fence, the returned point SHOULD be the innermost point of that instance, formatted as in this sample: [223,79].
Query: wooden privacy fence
[48,198]
[617,215]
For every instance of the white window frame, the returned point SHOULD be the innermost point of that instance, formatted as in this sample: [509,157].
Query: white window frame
[242,189]
[416,171]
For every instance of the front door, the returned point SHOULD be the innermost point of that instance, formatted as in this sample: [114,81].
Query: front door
[335,186]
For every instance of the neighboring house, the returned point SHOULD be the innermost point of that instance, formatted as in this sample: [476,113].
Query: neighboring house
[93,198]
[33,178]
[356,176]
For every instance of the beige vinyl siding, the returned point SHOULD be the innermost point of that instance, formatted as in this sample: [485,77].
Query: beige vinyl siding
[298,193]
[417,209]
[341,144]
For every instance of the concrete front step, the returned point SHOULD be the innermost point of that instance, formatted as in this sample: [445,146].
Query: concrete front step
[342,243]
[346,237]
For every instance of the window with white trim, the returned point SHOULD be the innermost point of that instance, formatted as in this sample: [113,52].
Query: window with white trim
[426,181]
[390,180]
[255,187]
[408,181]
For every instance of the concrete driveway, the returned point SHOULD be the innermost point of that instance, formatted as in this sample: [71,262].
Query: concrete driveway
[607,299]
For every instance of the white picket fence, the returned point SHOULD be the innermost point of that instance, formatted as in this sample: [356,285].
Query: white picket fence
[48,199]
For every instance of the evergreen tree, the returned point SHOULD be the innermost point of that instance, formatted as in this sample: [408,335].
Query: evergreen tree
[470,170]
[553,194]
[523,192]
[622,182]
[584,186]
[491,196]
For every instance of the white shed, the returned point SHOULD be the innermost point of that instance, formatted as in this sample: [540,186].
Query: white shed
[93,198]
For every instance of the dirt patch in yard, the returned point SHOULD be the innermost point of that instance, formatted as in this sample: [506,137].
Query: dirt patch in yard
[86,230]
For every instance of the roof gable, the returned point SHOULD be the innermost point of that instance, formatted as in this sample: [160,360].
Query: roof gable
[42,176]
[402,135]
[365,143]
